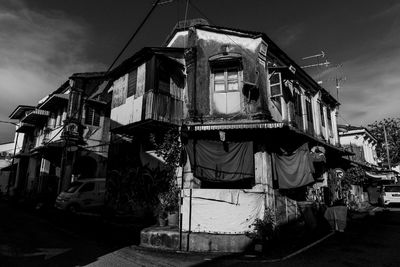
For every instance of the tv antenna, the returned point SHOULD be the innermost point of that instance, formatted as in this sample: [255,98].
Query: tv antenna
[318,64]
[338,79]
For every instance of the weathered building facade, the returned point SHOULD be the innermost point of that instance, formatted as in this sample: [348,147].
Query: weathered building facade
[65,134]
[251,121]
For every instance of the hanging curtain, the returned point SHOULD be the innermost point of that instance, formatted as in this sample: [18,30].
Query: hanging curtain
[217,161]
[293,170]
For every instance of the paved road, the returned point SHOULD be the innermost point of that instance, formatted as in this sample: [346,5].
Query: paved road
[370,241]
[28,238]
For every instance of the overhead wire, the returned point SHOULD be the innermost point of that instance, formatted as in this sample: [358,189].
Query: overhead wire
[134,35]
[115,60]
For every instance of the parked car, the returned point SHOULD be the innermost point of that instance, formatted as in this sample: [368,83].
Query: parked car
[390,194]
[82,195]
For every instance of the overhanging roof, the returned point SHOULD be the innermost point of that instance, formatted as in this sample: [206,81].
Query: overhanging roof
[54,101]
[19,112]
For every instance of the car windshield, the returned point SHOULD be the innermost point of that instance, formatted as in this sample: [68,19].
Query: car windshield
[392,188]
[73,187]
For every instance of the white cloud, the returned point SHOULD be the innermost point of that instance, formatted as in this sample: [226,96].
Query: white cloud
[39,51]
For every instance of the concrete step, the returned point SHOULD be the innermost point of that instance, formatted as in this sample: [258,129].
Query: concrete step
[167,238]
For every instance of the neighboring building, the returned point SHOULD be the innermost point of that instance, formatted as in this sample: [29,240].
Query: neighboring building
[363,144]
[66,134]
[251,116]
[15,157]
[359,141]
[6,154]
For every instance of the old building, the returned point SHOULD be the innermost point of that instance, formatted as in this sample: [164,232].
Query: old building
[257,130]
[66,135]
[363,144]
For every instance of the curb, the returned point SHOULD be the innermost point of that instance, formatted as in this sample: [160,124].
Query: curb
[300,250]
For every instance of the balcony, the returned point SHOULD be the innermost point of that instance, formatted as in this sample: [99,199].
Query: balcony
[162,107]
[151,107]
[36,117]
[24,127]
[48,135]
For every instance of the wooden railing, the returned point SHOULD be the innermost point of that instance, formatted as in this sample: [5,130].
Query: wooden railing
[162,107]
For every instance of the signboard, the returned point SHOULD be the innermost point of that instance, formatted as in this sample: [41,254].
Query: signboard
[339,173]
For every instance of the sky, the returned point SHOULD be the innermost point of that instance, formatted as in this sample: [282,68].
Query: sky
[43,42]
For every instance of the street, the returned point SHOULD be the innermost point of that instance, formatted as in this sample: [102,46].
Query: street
[29,238]
[57,239]
[369,241]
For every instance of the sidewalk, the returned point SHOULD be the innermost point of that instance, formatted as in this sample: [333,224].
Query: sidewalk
[290,242]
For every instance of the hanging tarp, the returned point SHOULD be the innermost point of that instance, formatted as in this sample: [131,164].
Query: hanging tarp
[221,211]
[217,161]
[295,169]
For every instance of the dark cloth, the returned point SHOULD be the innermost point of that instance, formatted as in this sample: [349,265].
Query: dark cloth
[221,161]
[293,170]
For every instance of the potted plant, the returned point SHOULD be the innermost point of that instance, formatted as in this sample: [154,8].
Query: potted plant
[264,230]
[162,209]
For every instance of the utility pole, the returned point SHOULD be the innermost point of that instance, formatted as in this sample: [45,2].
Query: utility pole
[387,148]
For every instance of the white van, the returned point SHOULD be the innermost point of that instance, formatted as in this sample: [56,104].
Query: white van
[390,194]
[82,195]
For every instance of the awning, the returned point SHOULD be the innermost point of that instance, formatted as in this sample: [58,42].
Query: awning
[236,126]
[25,127]
[36,116]
[54,101]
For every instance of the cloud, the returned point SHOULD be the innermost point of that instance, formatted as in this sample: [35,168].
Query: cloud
[39,50]
[371,91]
[289,34]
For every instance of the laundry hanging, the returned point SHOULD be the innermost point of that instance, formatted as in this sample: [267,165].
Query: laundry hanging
[295,169]
[217,161]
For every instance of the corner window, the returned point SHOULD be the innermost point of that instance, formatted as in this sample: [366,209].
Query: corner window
[92,117]
[226,90]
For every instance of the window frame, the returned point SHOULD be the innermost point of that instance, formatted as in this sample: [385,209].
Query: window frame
[225,70]
[93,119]
[233,106]
[309,112]
[321,112]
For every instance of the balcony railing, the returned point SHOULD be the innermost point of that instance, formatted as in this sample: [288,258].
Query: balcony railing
[50,135]
[162,107]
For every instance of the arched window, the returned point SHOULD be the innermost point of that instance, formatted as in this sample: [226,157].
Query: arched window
[226,82]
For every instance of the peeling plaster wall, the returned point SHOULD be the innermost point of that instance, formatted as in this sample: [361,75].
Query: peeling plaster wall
[208,44]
